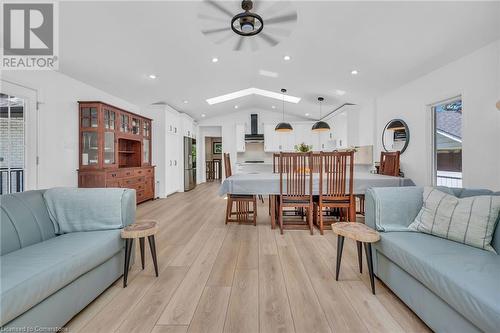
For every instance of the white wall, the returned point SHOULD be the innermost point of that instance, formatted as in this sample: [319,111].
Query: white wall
[58,121]
[476,78]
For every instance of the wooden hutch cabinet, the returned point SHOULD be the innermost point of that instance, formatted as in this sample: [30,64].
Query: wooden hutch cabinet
[115,149]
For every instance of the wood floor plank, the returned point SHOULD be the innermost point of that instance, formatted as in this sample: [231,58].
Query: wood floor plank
[169,329]
[373,314]
[243,311]
[211,311]
[274,309]
[223,270]
[182,306]
[267,243]
[339,311]
[248,257]
[144,315]
[307,313]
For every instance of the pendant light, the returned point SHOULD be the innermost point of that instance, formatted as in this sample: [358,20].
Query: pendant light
[320,126]
[283,126]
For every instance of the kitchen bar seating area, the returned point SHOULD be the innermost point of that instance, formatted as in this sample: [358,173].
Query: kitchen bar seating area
[296,166]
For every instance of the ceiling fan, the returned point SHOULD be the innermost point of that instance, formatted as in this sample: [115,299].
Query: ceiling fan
[253,29]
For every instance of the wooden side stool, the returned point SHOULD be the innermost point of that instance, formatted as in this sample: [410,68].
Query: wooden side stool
[140,229]
[363,235]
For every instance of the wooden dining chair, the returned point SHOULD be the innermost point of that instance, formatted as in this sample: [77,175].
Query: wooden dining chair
[336,179]
[316,161]
[296,189]
[242,202]
[389,163]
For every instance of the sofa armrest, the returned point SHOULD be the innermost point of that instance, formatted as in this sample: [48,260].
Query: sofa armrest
[128,207]
[392,208]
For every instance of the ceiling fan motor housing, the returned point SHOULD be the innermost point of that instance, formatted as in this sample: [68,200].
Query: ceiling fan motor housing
[247,5]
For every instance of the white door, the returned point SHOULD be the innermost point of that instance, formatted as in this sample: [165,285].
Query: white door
[19,130]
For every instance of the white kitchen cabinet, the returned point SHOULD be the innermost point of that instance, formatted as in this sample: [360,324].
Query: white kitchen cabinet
[187,124]
[240,138]
[338,126]
[173,145]
[271,139]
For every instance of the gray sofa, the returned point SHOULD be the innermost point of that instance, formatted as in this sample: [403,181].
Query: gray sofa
[452,287]
[46,279]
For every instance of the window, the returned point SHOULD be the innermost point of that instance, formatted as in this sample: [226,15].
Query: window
[447,137]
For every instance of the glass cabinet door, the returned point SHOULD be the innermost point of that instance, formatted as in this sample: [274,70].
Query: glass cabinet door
[146,127]
[109,119]
[136,125]
[89,117]
[124,123]
[90,148]
[145,149]
[109,148]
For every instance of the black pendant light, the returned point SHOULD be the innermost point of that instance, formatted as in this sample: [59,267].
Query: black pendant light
[283,126]
[320,126]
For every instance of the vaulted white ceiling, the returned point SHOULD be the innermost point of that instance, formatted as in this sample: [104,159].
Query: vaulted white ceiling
[115,46]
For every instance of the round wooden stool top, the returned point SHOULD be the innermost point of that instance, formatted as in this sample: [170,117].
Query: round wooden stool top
[357,231]
[140,229]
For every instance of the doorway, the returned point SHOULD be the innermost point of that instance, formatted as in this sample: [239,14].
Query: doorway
[213,158]
[447,137]
[12,147]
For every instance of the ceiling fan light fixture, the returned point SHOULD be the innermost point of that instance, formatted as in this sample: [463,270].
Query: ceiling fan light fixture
[247,23]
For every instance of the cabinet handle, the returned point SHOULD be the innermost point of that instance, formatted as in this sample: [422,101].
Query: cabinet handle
[170,162]
[175,163]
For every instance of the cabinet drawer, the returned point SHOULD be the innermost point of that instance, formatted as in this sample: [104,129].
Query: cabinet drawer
[137,187]
[139,196]
[128,182]
[118,174]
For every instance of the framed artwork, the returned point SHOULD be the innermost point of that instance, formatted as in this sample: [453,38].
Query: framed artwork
[217,148]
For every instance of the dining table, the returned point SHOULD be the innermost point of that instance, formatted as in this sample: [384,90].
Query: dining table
[268,183]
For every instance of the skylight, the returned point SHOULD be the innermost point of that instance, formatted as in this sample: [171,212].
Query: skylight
[252,91]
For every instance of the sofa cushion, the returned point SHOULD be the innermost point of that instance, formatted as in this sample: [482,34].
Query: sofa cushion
[33,273]
[465,277]
[468,220]
[24,220]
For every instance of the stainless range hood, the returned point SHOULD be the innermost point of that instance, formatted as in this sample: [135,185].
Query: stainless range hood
[254,137]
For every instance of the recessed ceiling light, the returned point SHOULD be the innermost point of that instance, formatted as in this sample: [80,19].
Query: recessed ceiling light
[273,107]
[343,114]
[307,114]
[354,72]
[185,101]
[236,106]
[287,57]
[340,92]
[152,76]
[203,115]
[252,91]
[215,59]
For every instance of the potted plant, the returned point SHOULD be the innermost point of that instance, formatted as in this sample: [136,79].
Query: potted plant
[303,148]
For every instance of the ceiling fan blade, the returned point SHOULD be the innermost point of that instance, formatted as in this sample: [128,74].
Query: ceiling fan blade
[212,31]
[278,31]
[281,19]
[270,40]
[225,38]
[239,44]
[219,8]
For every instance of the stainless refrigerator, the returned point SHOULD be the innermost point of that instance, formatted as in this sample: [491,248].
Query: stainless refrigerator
[189,163]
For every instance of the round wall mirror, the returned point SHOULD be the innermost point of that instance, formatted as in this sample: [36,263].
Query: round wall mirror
[396,136]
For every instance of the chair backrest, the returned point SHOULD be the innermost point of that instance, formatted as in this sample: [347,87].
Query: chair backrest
[276,163]
[227,165]
[316,161]
[389,163]
[336,176]
[295,174]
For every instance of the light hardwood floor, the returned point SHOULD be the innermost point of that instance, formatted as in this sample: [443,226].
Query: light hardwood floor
[241,278]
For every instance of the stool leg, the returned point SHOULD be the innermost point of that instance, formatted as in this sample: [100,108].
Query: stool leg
[141,243]
[368,250]
[152,246]
[360,256]
[340,246]
[128,253]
